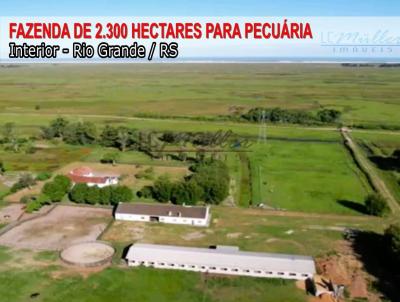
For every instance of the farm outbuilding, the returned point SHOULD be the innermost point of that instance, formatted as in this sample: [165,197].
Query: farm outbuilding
[228,260]
[175,214]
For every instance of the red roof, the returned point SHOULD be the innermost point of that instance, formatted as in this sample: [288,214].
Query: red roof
[81,171]
[87,179]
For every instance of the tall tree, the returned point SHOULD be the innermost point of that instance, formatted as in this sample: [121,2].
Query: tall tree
[109,136]
[8,132]
[59,126]
[376,205]
[123,138]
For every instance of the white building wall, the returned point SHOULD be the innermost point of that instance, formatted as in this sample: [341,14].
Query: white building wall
[167,219]
[109,182]
[222,270]
[131,217]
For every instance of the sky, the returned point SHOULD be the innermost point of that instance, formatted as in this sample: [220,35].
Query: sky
[200,8]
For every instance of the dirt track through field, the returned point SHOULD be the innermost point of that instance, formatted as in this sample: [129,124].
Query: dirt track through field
[378,184]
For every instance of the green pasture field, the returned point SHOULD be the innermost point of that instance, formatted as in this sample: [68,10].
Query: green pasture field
[367,95]
[311,177]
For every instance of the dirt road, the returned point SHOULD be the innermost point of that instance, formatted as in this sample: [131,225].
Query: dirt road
[378,184]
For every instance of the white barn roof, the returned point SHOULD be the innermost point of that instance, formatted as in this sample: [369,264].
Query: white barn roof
[221,257]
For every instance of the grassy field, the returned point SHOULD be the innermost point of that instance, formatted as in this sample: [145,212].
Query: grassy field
[47,159]
[302,176]
[129,157]
[364,94]
[251,230]
[42,275]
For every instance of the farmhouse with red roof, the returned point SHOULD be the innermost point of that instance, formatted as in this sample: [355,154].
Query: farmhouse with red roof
[88,176]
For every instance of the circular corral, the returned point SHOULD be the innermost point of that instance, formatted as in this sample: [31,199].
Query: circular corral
[88,254]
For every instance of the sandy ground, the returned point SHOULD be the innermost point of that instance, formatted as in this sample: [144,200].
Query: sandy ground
[345,268]
[11,213]
[87,253]
[34,190]
[63,226]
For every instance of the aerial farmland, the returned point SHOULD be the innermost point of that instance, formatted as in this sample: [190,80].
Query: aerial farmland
[298,159]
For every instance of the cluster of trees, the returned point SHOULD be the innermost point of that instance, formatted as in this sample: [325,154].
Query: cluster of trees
[111,195]
[209,182]
[78,133]
[84,133]
[122,138]
[57,188]
[279,115]
[52,191]
[197,138]
[24,181]
[376,205]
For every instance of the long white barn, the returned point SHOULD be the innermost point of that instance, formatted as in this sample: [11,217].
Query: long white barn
[222,260]
[168,213]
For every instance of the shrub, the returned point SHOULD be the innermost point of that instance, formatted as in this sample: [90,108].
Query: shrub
[376,205]
[146,174]
[25,199]
[145,192]
[92,195]
[36,203]
[42,176]
[57,188]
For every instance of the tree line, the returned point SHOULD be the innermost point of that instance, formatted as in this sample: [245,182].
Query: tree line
[279,115]
[209,182]
[110,195]
[124,138]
